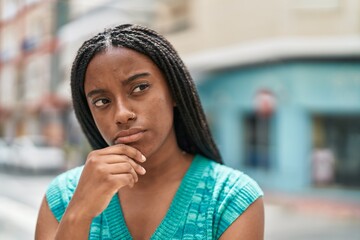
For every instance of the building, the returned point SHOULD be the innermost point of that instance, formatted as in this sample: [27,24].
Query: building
[280,83]
[28,69]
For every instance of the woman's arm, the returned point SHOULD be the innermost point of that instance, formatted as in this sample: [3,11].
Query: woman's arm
[72,226]
[47,224]
[249,225]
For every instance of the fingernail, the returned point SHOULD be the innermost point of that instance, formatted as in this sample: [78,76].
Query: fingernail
[143,170]
[143,158]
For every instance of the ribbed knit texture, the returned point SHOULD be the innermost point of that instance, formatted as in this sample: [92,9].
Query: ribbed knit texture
[210,197]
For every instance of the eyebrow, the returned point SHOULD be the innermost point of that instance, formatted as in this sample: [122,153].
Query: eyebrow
[135,76]
[125,82]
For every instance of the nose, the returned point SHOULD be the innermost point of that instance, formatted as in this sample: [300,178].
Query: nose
[123,112]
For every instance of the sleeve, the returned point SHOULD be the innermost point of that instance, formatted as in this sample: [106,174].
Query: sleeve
[61,190]
[238,192]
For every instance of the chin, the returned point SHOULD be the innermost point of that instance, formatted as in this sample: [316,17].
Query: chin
[142,147]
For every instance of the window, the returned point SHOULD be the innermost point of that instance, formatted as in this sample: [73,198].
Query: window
[257,141]
[341,135]
[8,75]
[8,10]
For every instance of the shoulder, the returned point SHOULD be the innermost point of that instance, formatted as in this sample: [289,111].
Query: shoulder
[249,225]
[227,181]
[61,190]
[67,180]
[233,192]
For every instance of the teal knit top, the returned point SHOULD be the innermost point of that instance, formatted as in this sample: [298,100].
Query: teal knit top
[210,197]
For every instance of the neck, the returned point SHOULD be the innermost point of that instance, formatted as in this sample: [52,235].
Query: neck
[165,168]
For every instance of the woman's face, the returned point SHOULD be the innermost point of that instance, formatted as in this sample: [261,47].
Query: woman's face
[129,100]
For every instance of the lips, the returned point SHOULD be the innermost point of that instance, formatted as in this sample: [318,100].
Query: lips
[129,136]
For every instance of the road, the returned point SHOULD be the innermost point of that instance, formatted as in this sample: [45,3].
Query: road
[20,197]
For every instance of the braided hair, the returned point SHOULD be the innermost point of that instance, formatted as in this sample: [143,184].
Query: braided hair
[192,132]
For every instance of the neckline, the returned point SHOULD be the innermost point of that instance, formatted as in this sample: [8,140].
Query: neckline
[168,226]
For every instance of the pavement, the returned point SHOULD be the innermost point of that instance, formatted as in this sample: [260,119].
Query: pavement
[317,213]
[334,202]
[17,220]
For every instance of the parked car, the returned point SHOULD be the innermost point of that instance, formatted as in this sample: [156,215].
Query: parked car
[5,152]
[34,153]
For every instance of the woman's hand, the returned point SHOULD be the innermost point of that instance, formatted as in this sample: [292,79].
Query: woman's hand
[105,172]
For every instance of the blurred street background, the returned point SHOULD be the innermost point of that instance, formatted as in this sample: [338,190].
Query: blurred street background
[279,81]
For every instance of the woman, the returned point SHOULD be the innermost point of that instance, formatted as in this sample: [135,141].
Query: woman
[155,172]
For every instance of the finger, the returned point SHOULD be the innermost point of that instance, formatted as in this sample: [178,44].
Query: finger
[122,168]
[123,149]
[137,167]
[122,180]
[114,158]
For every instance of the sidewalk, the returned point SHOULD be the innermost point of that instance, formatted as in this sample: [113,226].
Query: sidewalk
[314,214]
[17,220]
[336,202]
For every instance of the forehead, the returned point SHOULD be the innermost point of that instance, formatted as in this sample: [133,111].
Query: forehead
[120,59]
[119,64]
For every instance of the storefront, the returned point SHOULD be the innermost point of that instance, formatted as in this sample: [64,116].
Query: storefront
[290,124]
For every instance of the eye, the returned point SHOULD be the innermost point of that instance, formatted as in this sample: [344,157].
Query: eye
[100,102]
[141,87]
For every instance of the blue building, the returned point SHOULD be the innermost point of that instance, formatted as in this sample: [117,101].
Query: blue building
[291,122]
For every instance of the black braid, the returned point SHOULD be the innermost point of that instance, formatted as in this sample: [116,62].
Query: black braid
[192,132]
